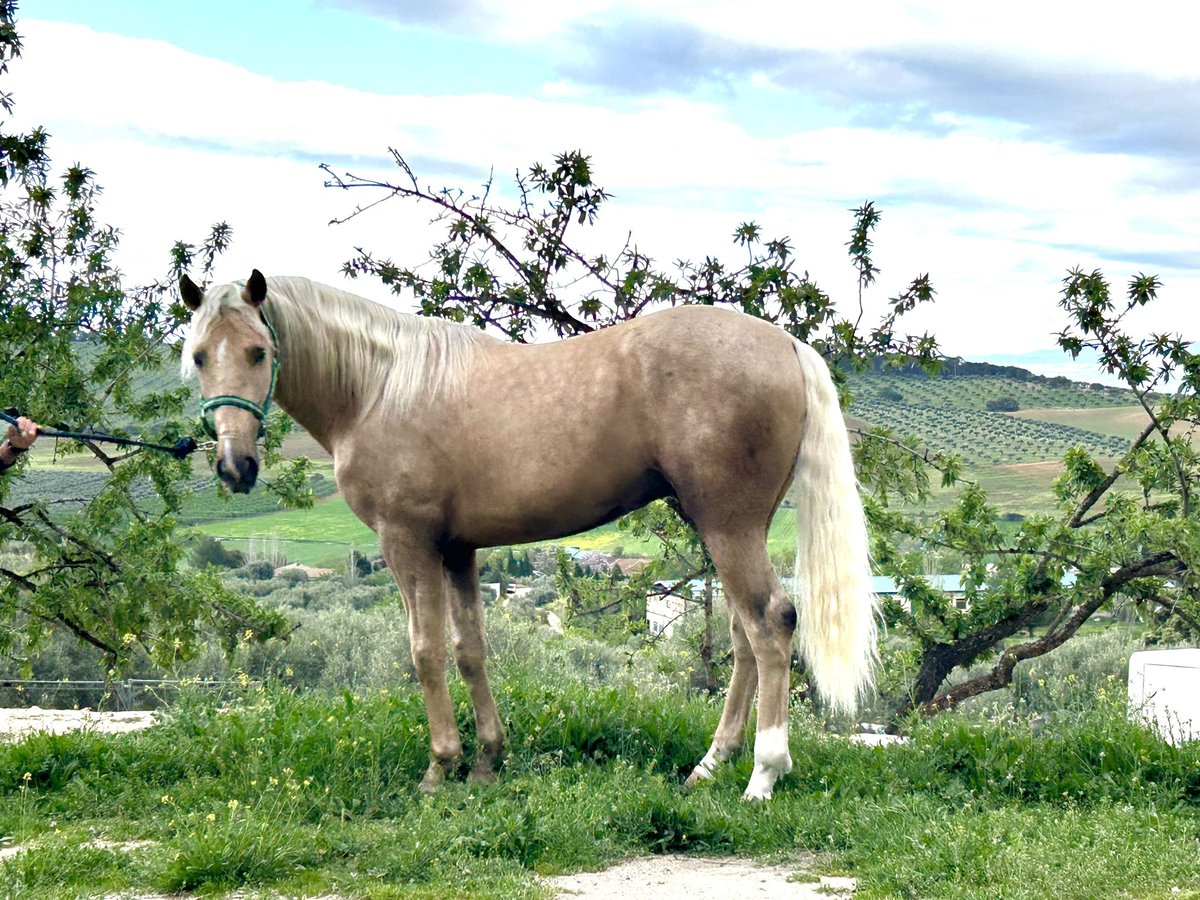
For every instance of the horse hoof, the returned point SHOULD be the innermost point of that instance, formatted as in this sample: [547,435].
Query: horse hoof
[482,776]
[434,776]
[761,786]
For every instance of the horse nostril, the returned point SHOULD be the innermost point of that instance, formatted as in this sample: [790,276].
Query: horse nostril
[248,470]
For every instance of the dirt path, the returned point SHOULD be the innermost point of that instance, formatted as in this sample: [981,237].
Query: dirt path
[17,723]
[692,878]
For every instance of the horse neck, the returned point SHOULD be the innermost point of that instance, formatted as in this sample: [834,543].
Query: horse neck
[398,368]
[324,419]
[323,414]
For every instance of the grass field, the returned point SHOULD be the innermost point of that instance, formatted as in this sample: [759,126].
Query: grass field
[314,795]
[324,534]
[1123,421]
[321,535]
[972,392]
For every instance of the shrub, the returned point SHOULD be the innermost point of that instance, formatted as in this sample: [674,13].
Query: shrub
[208,551]
[1002,404]
[258,571]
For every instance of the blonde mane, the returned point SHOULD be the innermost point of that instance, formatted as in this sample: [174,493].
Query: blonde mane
[343,345]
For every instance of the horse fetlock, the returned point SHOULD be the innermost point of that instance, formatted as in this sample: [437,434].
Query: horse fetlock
[771,749]
[484,770]
[489,754]
[771,759]
[707,766]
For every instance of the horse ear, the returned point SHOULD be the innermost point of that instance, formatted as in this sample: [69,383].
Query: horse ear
[255,291]
[192,295]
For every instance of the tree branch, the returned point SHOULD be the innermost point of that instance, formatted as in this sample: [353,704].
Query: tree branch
[1155,565]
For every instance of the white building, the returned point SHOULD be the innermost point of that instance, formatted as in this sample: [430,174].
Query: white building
[668,602]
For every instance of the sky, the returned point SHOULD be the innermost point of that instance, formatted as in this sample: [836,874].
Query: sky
[1004,143]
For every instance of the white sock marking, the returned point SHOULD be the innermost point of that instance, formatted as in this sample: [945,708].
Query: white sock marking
[771,759]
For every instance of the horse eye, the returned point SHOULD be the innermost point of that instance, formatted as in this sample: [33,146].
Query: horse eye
[198,359]
[258,355]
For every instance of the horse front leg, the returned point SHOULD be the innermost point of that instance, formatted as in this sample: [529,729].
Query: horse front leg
[470,652]
[419,572]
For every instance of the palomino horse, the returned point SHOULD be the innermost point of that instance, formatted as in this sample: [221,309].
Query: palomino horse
[446,440]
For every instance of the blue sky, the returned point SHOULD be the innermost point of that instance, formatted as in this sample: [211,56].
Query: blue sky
[1004,144]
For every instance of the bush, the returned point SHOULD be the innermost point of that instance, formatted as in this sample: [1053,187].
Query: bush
[1073,680]
[208,551]
[1002,404]
[258,571]
[292,576]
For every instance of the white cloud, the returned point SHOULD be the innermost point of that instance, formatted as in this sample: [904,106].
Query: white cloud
[181,141]
[1109,35]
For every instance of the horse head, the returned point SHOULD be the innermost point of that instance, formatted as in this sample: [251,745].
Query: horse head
[232,350]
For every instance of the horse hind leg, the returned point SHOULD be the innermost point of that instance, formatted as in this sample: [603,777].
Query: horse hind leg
[742,684]
[470,652]
[768,620]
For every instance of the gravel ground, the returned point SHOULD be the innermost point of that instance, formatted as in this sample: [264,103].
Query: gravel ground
[693,878]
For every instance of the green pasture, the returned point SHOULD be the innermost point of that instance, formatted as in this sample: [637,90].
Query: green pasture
[1123,421]
[313,794]
[324,534]
[320,535]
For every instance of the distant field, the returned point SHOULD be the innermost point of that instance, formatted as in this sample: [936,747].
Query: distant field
[331,519]
[1122,421]
[327,532]
[984,438]
[973,391]
[1127,422]
[323,534]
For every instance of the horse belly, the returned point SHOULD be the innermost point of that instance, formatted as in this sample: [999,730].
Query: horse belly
[529,503]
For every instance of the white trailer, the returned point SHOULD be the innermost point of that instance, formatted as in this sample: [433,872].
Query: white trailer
[1164,692]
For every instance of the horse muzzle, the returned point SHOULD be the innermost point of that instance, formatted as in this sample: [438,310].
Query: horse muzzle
[239,476]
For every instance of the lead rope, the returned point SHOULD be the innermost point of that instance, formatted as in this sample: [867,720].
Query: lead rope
[181,449]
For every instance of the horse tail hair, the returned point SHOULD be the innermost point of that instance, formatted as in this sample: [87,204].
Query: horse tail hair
[838,609]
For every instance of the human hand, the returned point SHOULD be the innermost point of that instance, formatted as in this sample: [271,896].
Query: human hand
[22,435]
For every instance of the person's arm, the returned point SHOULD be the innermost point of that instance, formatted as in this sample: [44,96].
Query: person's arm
[20,438]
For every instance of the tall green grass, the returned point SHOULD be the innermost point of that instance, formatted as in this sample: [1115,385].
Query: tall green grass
[311,793]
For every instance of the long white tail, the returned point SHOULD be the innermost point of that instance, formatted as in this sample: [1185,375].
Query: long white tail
[833,572]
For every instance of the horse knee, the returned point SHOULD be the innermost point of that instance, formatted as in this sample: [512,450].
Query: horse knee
[469,667]
[429,659]
[469,654]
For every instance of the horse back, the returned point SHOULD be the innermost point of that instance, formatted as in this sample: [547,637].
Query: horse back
[550,439]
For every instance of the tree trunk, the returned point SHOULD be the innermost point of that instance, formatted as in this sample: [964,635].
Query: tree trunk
[706,640]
